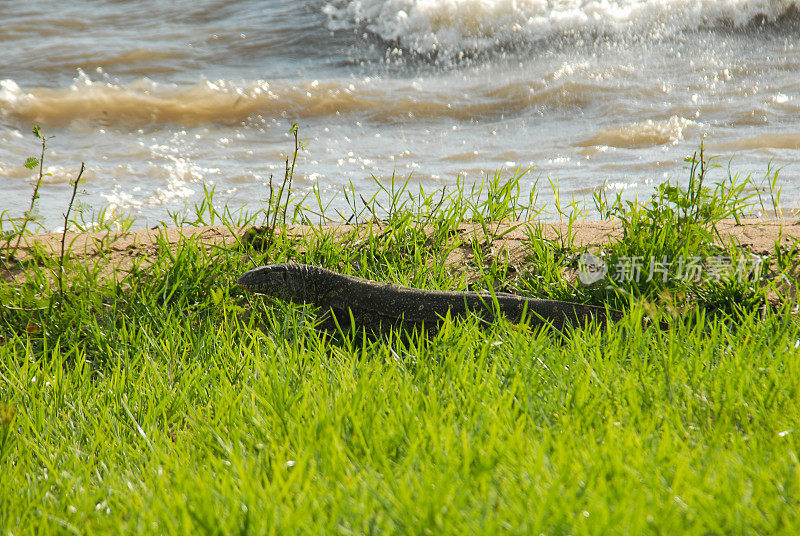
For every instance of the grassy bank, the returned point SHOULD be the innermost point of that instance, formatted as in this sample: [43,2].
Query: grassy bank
[164,400]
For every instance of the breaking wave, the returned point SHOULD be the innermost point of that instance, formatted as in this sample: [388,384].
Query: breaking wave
[145,102]
[451,27]
[645,134]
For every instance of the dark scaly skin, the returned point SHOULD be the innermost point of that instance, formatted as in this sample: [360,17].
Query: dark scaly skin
[377,305]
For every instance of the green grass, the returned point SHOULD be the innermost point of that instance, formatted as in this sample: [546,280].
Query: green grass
[170,402]
[149,418]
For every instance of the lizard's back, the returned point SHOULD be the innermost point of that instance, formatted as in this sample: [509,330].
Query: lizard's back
[371,301]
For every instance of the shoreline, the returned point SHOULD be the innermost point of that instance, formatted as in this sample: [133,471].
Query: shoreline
[120,251]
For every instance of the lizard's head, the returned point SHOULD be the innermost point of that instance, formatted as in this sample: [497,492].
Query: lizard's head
[283,281]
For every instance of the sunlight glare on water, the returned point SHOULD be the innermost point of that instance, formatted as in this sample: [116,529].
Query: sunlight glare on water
[162,98]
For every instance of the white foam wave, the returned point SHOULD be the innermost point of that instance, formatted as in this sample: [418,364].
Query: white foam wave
[452,26]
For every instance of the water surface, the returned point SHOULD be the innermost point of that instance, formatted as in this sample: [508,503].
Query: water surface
[162,98]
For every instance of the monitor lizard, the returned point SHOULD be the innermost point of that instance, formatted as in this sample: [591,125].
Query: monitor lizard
[377,305]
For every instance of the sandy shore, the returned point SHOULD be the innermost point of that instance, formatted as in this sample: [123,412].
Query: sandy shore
[120,251]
